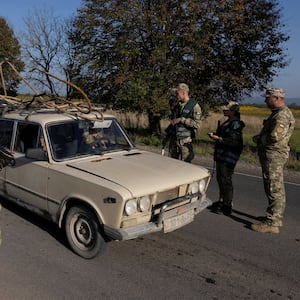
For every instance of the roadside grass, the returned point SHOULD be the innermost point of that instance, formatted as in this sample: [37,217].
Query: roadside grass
[253,117]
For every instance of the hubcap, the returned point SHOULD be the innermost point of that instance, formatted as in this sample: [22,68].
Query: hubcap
[83,230]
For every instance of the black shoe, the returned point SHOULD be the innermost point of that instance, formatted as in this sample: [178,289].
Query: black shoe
[217,207]
[227,209]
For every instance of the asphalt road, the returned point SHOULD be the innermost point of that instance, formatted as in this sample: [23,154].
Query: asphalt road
[215,257]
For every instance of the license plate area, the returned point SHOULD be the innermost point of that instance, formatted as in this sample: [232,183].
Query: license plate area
[178,221]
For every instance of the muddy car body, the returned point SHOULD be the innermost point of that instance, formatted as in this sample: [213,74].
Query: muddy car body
[96,189]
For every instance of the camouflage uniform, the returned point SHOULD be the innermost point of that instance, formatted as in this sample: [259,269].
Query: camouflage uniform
[181,141]
[273,151]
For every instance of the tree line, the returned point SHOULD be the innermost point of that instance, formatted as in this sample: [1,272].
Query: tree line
[129,54]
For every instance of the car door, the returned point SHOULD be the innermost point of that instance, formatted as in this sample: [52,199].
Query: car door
[26,181]
[6,138]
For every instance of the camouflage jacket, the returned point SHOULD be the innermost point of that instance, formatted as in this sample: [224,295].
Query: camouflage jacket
[190,114]
[276,131]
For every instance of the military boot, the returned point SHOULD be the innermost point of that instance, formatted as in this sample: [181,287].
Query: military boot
[265,228]
[264,219]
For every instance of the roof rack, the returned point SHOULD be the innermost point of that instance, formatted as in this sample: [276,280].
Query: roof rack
[77,108]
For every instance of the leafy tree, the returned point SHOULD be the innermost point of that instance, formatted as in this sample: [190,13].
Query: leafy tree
[132,52]
[9,51]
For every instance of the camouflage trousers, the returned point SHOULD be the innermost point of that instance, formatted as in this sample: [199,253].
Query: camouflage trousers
[182,150]
[272,171]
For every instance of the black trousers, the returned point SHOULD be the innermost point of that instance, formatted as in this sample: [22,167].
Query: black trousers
[224,174]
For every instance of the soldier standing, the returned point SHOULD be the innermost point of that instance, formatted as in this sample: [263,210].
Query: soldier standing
[228,147]
[186,120]
[273,152]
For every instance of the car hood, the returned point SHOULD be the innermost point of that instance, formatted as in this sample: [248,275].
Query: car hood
[141,172]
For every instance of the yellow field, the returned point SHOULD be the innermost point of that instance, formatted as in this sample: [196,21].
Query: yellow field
[252,116]
[263,111]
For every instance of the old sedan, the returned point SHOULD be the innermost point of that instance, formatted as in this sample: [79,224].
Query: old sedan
[83,172]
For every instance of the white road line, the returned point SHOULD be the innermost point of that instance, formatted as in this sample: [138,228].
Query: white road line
[260,177]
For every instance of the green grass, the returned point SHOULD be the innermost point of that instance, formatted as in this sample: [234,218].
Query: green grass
[203,145]
[295,141]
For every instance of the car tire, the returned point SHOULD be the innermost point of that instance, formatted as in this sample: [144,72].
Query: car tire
[83,234]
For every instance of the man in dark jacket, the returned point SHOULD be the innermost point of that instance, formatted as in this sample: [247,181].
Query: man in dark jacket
[228,147]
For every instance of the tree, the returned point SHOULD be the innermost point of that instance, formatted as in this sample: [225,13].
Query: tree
[132,52]
[44,47]
[10,51]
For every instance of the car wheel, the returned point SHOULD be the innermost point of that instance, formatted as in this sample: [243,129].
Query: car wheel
[82,231]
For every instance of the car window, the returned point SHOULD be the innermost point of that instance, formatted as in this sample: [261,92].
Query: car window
[64,139]
[26,136]
[84,137]
[6,133]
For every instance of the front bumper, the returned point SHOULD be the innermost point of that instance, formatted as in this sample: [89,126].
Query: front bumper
[168,220]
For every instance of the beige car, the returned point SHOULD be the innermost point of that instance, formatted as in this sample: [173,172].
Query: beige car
[85,174]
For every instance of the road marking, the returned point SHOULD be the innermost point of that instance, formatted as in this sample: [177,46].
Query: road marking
[256,176]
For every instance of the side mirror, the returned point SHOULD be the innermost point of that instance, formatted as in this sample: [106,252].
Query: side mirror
[6,158]
[36,153]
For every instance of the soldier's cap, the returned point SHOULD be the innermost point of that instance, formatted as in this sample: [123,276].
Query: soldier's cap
[231,105]
[183,87]
[276,92]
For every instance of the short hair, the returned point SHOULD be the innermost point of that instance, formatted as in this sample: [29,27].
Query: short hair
[183,87]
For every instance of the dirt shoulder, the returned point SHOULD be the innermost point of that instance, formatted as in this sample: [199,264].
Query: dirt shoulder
[241,167]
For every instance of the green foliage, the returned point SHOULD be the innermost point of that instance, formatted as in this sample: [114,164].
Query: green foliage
[130,53]
[10,51]
[150,140]
[295,141]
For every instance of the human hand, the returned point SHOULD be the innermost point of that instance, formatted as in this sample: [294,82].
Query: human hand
[213,136]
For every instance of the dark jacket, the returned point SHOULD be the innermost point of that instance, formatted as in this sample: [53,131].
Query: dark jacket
[230,147]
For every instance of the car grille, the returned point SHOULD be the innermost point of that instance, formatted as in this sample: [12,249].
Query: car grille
[172,194]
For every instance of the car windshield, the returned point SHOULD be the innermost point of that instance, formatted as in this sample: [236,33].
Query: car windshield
[83,137]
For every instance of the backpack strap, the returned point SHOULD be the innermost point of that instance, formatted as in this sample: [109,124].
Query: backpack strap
[188,108]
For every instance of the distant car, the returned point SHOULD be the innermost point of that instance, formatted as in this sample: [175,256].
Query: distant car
[83,172]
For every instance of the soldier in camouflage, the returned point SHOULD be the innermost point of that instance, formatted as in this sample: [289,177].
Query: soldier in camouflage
[186,120]
[273,151]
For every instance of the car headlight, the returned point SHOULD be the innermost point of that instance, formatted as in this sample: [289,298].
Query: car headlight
[144,203]
[197,186]
[194,188]
[202,185]
[131,207]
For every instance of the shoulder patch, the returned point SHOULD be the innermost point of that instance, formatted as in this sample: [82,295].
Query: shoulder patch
[198,115]
[280,128]
[236,125]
